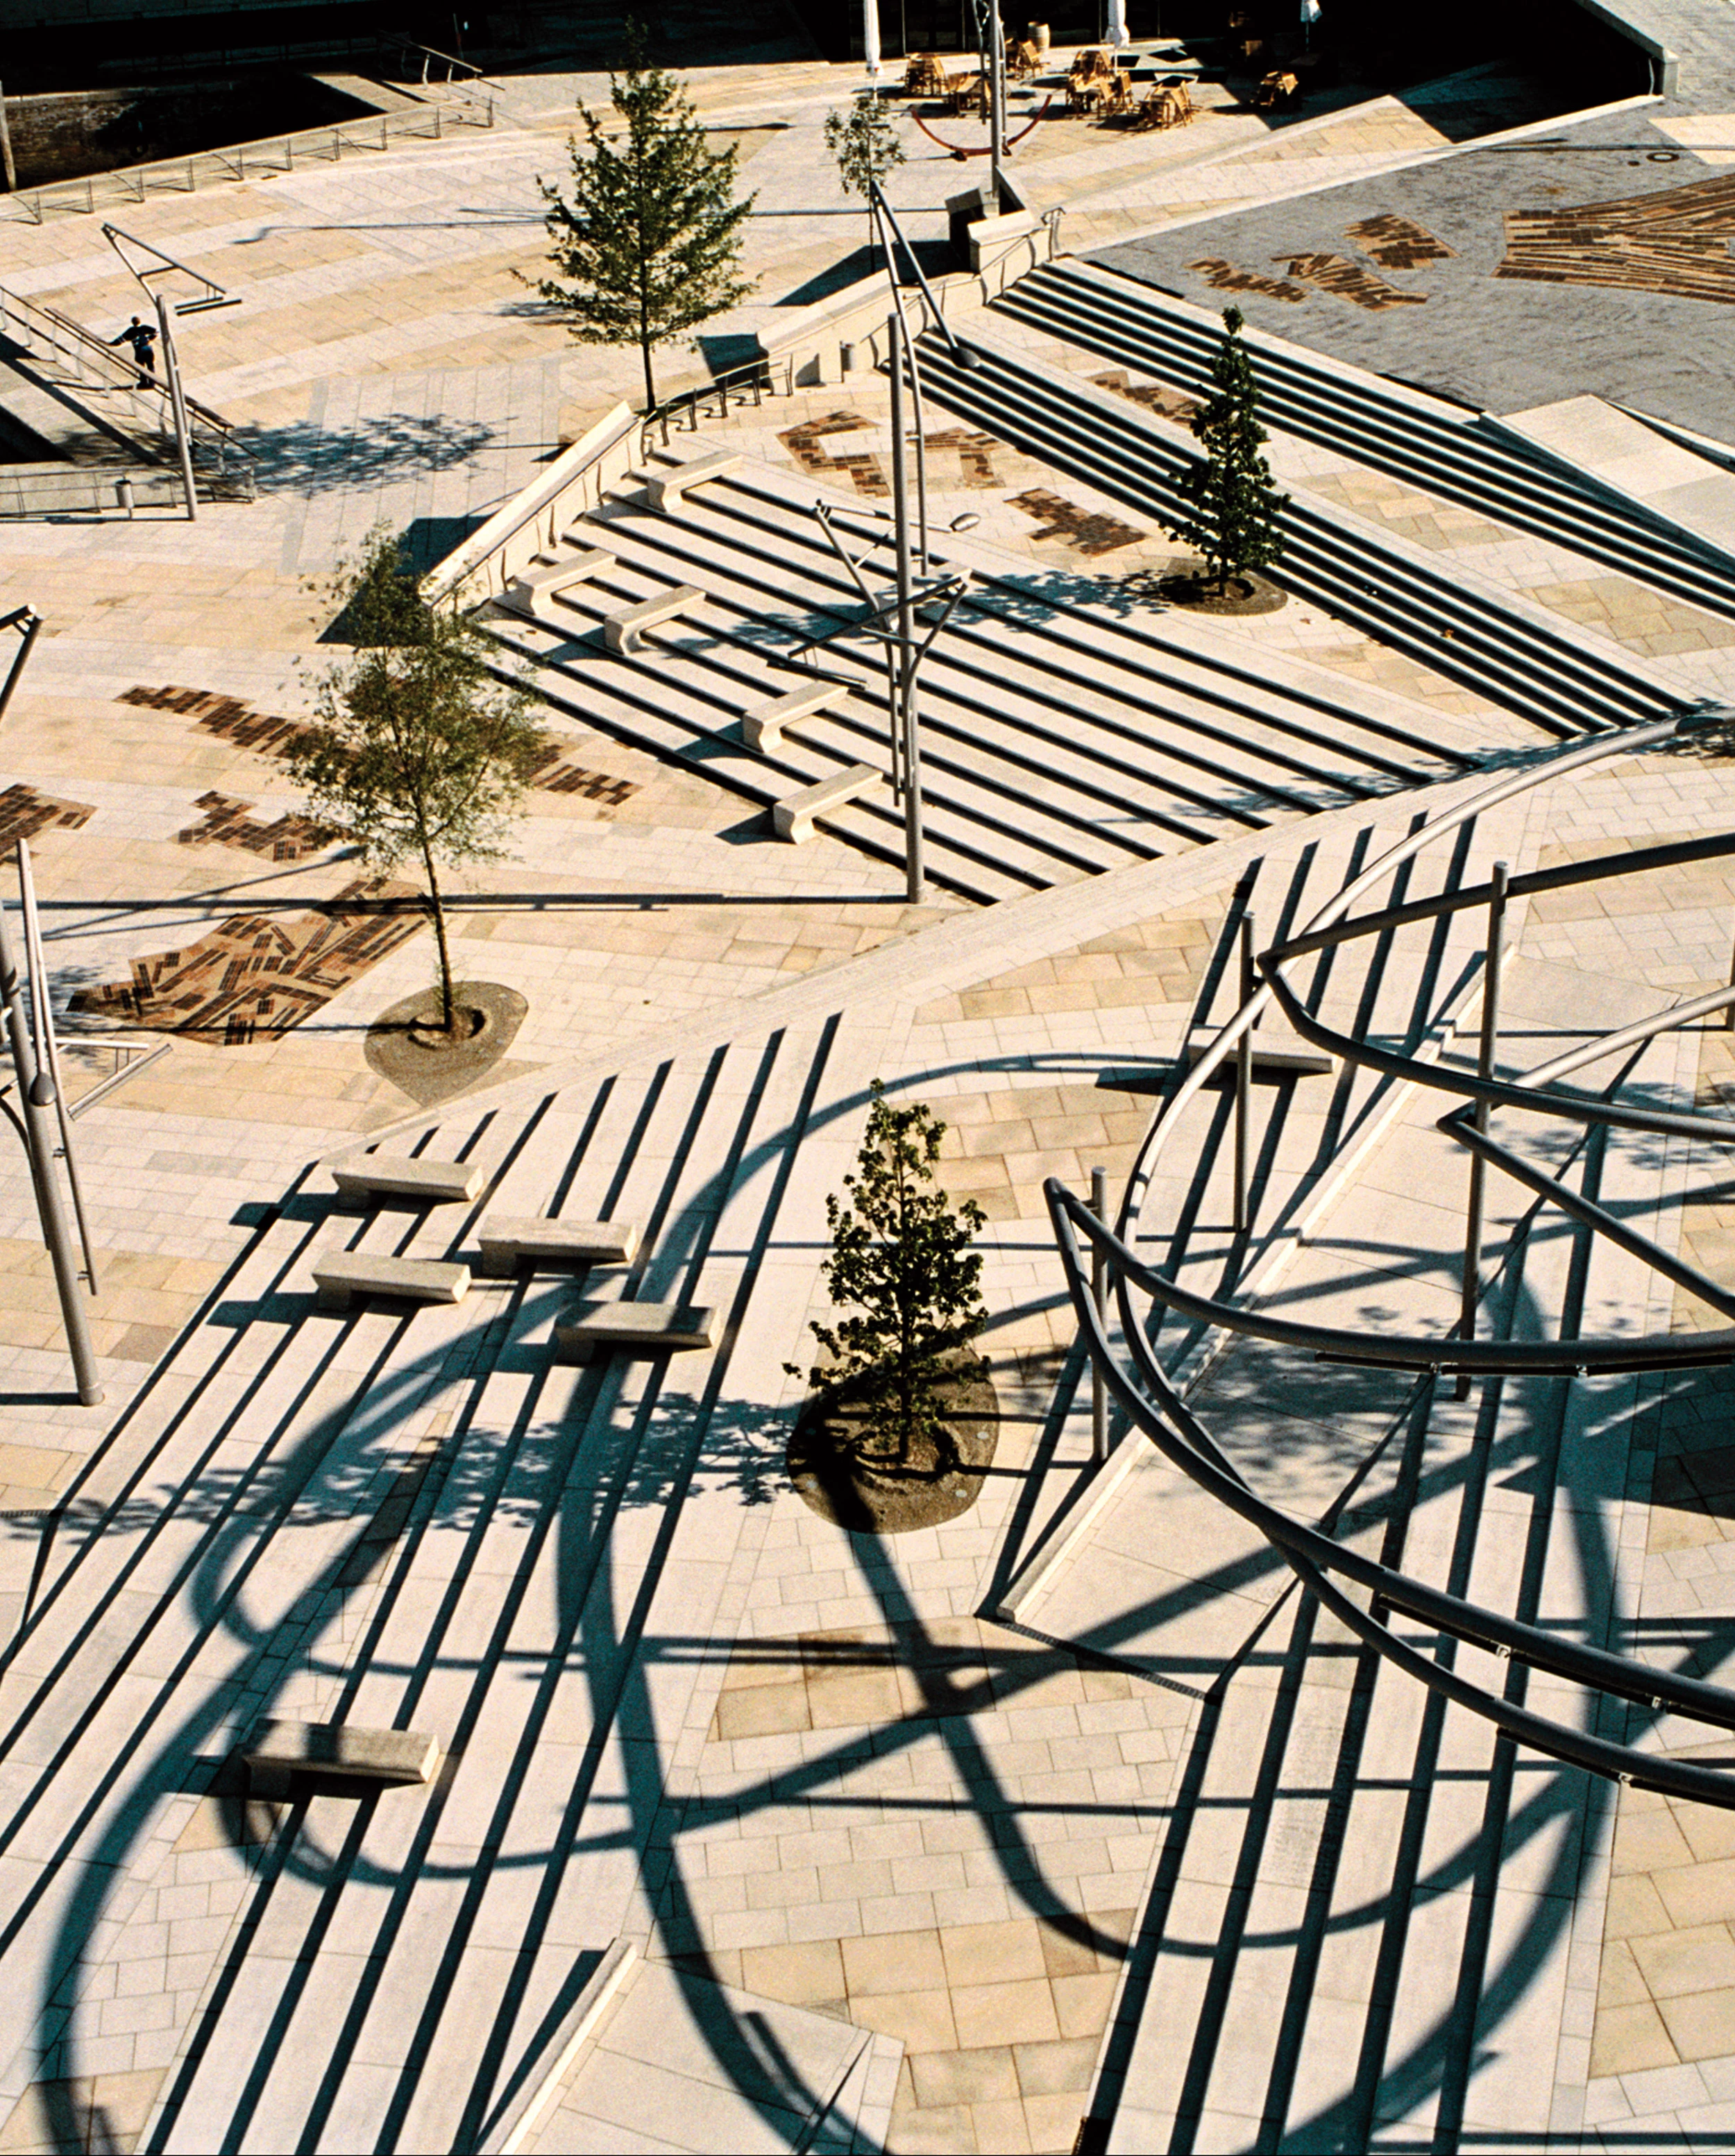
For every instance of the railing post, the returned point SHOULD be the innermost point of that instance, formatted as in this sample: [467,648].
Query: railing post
[1485,1068]
[1099,1294]
[1244,1083]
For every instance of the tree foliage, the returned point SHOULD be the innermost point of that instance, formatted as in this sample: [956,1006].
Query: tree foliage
[417,753]
[648,240]
[866,145]
[1233,507]
[901,1255]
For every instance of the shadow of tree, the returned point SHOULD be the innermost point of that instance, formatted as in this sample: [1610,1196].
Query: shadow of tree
[305,458]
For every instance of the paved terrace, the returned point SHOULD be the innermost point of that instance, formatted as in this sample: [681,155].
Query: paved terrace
[805,1770]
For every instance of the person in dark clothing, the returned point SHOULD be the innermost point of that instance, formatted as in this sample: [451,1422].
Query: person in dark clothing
[141,336]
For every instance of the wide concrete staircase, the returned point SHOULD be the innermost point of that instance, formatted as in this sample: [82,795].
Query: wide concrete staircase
[1062,736]
[412,1521]
[1373,1923]
[1446,450]
[1557,677]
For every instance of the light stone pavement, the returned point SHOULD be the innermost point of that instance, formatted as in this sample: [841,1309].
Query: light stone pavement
[867,1798]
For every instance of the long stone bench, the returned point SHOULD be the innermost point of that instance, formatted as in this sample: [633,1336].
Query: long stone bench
[793,819]
[666,485]
[340,1275]
[373,1175]
[635,1328]
[624,632]
[373,1757]
[528,591]
[507,1243]
[763,728]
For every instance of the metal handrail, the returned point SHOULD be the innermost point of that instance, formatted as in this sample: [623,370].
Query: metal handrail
[1155,1407]
[1180,1437]
[754,374]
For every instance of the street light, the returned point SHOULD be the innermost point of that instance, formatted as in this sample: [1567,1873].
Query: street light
[901,677]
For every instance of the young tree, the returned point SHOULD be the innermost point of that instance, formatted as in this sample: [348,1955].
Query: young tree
[900,1254]
[417,753]
[649,241]
[1233,506]
[866,145]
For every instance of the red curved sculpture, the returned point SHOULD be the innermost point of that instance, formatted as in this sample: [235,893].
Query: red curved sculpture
[985,148]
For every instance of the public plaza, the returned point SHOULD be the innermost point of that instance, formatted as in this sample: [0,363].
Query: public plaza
[1108,1813]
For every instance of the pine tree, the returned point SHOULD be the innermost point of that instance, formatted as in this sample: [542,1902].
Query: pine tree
[1235,507]
[900,1254]
[649,241]
[866,145]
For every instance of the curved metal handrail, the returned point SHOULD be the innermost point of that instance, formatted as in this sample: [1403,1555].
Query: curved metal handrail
[1314,1556]
[1155,1407]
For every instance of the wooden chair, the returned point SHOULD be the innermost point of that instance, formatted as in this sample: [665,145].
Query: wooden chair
[1279,88]
[1090,64]
[965,93]
[1167,106]
[1023,60]
[924,76]
[1114,96]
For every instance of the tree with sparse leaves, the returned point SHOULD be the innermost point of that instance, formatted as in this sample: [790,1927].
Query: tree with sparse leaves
[1233,507]
[901,1255]
[648,241]
[866,145]
[418,753]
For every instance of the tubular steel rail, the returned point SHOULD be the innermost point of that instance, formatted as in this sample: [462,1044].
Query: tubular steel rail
[1155,1407]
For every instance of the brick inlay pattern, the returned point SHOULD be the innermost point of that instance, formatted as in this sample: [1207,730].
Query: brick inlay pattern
[1086,530]
[1675,243]
[226,822]
[24,813]
[259,975]
[1398,243]
[1227,277]
[1348,281]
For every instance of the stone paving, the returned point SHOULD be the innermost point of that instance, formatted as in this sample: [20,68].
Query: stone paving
[870,1801]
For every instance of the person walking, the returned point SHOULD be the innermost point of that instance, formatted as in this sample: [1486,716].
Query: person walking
[141,337]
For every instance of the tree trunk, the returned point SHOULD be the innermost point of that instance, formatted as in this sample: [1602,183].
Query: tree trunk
[650,387]
[436,907]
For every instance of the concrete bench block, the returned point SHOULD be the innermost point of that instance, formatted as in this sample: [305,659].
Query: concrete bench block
[635,1328]
[665,486]
[528,591]
[763,728]
[624,632]
[507,1243]
[340,1275]
[793,819]
[376,1757]
[395,1175]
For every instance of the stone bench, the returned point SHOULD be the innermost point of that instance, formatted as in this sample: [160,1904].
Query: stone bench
[340,1275]
[762,728]
[374,1758]
[507,1243]
[528,591]
[636,1328]
[396,1175]
[624,632]
[793,819]
[666,486]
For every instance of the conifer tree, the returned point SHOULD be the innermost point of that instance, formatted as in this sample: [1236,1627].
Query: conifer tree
[1233,506]
[866,145]
[647,242]
[900,1254]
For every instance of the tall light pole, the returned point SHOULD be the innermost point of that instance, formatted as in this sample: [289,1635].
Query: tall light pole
[906,731]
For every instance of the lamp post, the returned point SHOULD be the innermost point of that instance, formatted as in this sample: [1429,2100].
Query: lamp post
[905,730]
